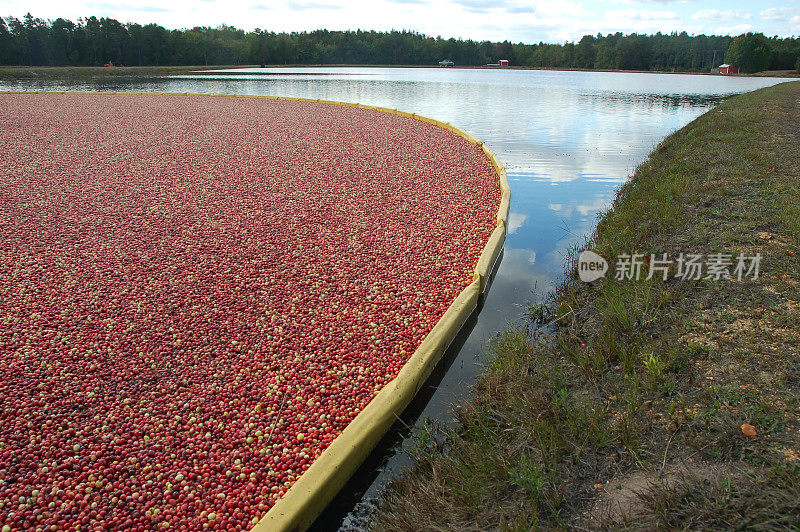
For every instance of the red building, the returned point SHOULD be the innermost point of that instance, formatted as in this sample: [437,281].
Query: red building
[728,69]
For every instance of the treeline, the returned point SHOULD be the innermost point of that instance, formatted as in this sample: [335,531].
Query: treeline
[97,41]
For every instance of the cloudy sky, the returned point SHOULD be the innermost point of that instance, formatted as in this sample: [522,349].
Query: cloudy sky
[516,20]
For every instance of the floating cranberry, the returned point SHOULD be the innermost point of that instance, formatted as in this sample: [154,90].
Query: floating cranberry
[198,294]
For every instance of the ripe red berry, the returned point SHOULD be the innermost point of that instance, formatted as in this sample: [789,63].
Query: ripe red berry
[199,293]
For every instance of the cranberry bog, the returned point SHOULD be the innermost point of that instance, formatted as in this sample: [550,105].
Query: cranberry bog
[202,298]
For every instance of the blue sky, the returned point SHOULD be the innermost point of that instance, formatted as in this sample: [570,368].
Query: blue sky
[515,20]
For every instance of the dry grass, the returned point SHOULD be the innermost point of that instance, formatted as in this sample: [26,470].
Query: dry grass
[645,385]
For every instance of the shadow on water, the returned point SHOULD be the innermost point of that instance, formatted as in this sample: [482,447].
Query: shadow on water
[350,509]
[665,101]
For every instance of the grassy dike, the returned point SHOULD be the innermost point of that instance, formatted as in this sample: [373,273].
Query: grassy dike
[626,411]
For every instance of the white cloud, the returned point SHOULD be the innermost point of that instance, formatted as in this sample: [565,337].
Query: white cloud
[306,6]
[715,15]
[638,21]
[778,14]
[477,6]
[590,206]
[520,9]
[515,221]
[638,2]
[641,15]
[105,6]
[736,29]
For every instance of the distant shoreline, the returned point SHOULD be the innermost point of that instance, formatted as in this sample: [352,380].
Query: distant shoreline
[767,73]
[11,73]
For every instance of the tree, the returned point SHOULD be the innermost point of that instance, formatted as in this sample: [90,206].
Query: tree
[114,39]
[36,31]
[633,53]
[61,42]
[93,41]
[585,52]
[6,44]
[750,52]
